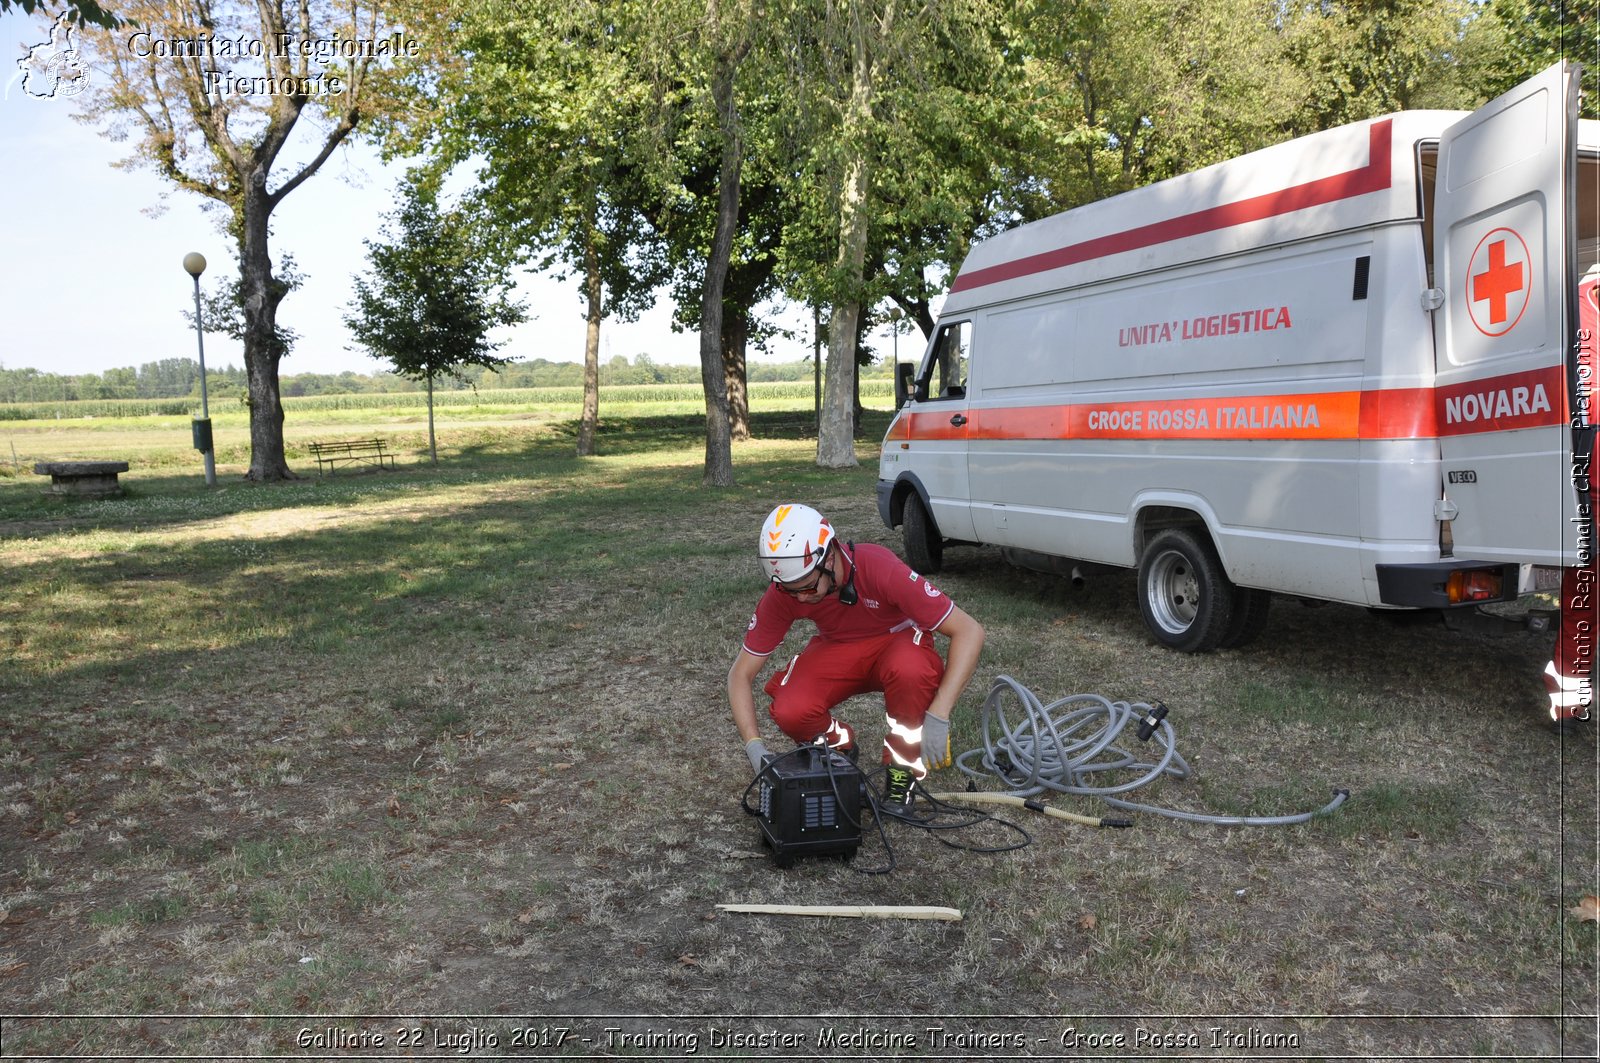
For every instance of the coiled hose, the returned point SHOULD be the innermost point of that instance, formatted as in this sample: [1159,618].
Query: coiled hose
[1061,747]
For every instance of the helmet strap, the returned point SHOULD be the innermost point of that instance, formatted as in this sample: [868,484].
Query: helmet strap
[847,592]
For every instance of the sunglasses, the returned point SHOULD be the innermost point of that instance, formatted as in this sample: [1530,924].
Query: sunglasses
[795,590]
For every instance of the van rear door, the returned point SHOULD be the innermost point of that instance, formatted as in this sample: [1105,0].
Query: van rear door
[1503,246]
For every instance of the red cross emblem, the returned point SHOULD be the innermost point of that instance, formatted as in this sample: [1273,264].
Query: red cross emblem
[1499,282]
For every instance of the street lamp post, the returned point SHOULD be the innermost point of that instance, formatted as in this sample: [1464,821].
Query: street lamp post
[194,263]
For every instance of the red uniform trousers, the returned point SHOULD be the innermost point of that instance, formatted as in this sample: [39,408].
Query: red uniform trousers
[903,665]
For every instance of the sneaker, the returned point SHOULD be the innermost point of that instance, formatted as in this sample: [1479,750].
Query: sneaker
[898,790]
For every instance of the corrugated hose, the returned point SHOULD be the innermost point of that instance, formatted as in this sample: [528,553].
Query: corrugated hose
[1062,747]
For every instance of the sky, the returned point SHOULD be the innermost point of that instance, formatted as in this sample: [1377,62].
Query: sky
[94,276]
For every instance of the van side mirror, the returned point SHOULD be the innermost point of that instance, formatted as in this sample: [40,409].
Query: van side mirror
[903,371]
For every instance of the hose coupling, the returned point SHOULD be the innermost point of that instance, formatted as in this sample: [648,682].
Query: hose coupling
[1148,725]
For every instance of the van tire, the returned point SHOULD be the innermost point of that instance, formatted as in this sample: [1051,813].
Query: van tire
[1185,596]
[924,547]
[1250,608]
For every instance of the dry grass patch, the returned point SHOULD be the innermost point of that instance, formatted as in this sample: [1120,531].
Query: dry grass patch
[456,742]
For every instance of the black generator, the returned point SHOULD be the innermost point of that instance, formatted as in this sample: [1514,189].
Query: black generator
[810,805]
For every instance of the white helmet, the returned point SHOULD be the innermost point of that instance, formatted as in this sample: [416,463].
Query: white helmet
[794,540]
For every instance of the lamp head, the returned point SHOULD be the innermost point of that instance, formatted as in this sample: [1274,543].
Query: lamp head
[195,264]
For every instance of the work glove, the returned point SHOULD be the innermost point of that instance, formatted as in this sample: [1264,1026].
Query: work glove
[756,750]
[935,741]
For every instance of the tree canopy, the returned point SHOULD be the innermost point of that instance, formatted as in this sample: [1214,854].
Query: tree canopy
[219,119]
[839,153]
[845,153]
[433,295]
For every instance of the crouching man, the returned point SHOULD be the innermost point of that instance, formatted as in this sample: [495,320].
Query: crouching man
[875,621]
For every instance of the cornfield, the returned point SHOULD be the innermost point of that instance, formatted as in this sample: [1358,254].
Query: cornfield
[777,390]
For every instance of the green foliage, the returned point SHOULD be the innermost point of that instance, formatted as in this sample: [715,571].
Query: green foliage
[433,295]
[1531,35]
[79,12]
[1133,91]
[934,140]
[553,110]
[224,309]
[169,378]
[1363,59]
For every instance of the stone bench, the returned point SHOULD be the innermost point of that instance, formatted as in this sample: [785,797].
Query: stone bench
[82,479]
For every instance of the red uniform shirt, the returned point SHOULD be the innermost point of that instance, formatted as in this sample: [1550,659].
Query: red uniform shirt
[890,597]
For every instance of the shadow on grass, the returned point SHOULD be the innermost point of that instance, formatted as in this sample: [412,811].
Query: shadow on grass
[393,579]
[542,454]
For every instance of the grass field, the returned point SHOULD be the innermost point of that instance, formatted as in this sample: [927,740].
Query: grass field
[441,756]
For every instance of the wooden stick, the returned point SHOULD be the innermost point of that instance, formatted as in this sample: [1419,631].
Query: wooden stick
[850,911]
[982,797]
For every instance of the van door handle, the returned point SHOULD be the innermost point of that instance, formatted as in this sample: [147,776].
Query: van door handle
[959,419]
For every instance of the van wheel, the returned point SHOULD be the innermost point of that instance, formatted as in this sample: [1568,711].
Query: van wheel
[1250,608]
[924,548]
[1185,597]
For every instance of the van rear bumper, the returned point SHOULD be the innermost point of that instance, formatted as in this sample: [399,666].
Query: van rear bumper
[1427,586]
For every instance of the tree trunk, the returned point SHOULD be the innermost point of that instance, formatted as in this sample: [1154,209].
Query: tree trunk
[855,403]
[261,348]
[433,447]
[713,374]
[735,342]
[836,441]
[816,369]
[179,117]
[590,422]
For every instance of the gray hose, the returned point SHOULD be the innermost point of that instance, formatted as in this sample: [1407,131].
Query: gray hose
[1061,746]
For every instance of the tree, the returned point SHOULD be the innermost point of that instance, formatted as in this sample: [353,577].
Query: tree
[218,120]
[1532,34]
[223,307]
[433,295]
[689,224]
[546,98]
[866,30]
[729,30]
[1134,91]
[904,110]
[80,12]
[1370,57]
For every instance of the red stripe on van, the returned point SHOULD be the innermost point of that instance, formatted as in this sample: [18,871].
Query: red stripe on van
[1530,399]
[1519,400]
[1373,177]
[1398,413]
[1324,415]
[935,425]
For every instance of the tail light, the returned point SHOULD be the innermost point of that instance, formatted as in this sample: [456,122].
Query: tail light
[1482,585]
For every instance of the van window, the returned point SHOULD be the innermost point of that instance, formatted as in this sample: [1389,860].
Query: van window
[1588,212]
[1588,219]
[1427,176]
[944,374]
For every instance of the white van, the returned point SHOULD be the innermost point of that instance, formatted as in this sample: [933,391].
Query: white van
[1343,368]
